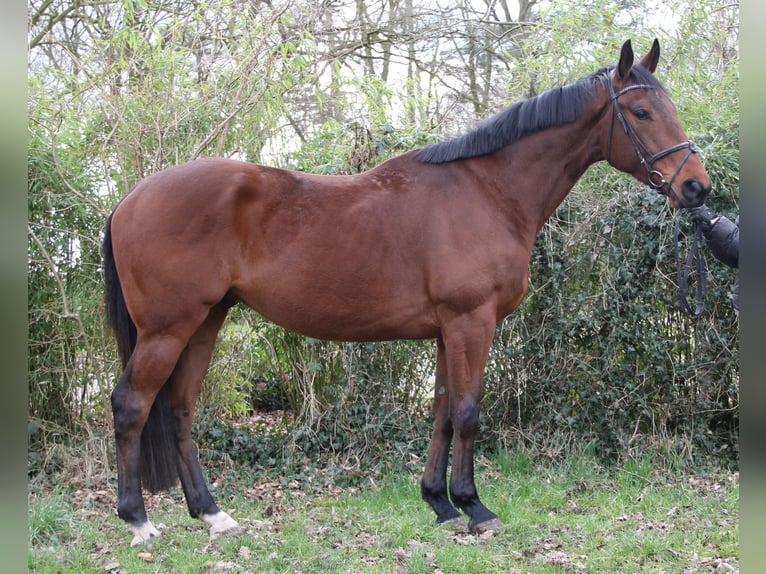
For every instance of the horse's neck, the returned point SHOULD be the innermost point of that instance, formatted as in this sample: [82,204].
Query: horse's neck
[539,171]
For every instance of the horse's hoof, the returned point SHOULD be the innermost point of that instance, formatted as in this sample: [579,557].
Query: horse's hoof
[144,533]
[221,523]
[491,524]
[457,523]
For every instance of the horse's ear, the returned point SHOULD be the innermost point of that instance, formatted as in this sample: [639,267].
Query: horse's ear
[652,57]
[626,61]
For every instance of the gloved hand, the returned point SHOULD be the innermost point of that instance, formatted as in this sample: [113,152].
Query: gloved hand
[702,215]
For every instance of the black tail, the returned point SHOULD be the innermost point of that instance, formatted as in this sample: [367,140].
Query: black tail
[116,311]
[158,449]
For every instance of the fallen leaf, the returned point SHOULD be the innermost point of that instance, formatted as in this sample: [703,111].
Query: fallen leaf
[219,566]
[487,534]
[401,554]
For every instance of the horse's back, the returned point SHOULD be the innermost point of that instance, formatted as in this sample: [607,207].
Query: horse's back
[313,253]
[371,256]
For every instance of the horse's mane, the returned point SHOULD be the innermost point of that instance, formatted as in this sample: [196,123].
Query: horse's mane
[551,108]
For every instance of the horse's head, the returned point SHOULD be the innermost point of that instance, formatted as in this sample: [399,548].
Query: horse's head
[645,137]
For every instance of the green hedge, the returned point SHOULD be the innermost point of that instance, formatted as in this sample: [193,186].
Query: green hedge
[600,352]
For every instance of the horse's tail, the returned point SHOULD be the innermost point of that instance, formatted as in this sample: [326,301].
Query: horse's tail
[158,450]
[116,310]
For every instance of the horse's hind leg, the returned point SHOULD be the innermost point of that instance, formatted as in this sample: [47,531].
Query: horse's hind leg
[186,382]
[433,486]
[149,367]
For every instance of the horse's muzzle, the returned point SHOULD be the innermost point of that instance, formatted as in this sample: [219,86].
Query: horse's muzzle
[693,193]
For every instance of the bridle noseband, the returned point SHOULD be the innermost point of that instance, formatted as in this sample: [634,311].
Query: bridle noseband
[655,178]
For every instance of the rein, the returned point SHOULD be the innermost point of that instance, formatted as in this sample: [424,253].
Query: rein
[696,256]
[655,178]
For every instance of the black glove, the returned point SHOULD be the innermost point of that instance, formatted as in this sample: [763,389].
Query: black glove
[701,216]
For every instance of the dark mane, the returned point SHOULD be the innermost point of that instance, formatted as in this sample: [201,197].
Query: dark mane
[551,108]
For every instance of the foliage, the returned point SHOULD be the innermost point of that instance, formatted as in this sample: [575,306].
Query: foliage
[351,405]
[49,521]
[68,351]
[598,351]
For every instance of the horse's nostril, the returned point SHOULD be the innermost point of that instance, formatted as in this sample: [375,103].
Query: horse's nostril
[694,191]
[691,188]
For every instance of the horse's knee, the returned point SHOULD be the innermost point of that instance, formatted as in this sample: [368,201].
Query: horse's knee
[465,417]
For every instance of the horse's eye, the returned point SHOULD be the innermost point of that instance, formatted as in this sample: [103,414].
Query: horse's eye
[642,114]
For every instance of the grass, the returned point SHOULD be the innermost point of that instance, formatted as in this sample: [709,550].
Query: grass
[575,516]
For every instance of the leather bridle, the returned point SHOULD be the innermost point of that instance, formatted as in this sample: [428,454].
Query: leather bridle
[655,178]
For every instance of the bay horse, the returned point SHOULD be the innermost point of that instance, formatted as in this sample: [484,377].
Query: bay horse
[432,244]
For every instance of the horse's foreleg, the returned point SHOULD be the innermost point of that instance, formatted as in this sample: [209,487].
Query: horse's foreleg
[433,486]
[467,344]
[186,383]
[147,370]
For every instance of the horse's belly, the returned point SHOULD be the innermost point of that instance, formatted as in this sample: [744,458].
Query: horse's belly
[345,315]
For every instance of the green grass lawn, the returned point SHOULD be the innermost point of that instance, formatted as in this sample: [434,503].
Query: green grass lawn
[575,516]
